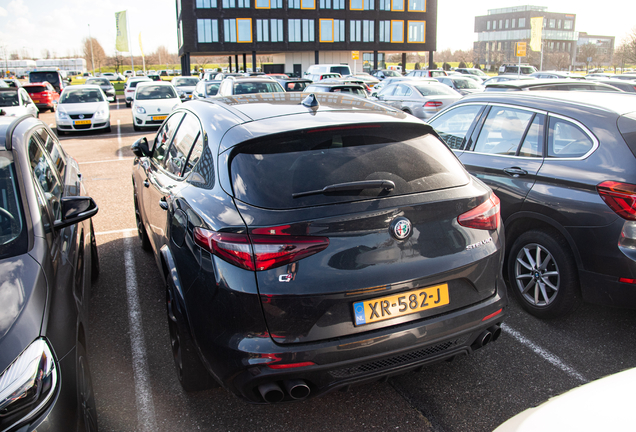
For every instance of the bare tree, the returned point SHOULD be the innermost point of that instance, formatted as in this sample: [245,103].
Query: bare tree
[116,60]
[443,56]
[98,54]
[587,54]
[463,56]
[558,60]
[620,57]
[629,45]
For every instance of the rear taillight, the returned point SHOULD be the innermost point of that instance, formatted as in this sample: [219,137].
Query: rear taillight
[485,216]
[259,252]
[433,104]
[620,197]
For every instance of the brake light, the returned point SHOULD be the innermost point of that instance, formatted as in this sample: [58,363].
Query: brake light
[433,104]
[290,365]
[259,252]
[620,197]
[485,216]
[627,280]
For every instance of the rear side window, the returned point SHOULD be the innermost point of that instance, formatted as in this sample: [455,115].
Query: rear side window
[12,232]
[453,125]
[266,172]
[164,137]
[567,140]
[181,146]
[502,131]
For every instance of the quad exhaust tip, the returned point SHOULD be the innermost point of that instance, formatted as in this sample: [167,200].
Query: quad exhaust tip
[273,393]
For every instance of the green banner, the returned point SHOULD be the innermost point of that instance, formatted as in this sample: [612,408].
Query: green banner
[121,42]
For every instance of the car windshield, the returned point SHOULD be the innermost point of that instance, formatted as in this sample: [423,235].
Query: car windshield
[133,84]
[186,81]
[10,211]
[81,96]
[9,98]
[477,72]
[212,89]
[98,81]
[155,92]
[257,87]
[392,73]
[434,89]
[466,83]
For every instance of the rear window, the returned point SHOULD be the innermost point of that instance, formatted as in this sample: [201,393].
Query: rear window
[266,172]
[35,89]
[13,239]
[155,92]
[51,77]
[342,70]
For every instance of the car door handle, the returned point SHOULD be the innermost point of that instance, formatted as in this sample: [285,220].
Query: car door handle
[146,183]
[163,204]
[515,172]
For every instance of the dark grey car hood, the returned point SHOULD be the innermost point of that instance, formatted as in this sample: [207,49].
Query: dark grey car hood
[22,302]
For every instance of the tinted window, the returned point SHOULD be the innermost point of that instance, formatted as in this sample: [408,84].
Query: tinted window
[256,87]
[155,92]
[182,144]
[35,89]
[533,142]
[11,223]
[295,86]
[52,146]
[212,89]
[567,140]
[502,131]
[164,137]
[9,98]
[453,125]
[51,77]
[45,176]
[267,172]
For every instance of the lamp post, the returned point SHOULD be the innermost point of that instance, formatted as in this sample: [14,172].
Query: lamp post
[91,40]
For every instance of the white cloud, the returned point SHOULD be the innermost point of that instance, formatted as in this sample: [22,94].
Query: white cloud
[17,7]
[3,12]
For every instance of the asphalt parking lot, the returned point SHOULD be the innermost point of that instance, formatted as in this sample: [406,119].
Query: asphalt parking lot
[136,387]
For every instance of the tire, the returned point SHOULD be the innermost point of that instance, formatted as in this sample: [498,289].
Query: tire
[128,104]
[53,108]
[94,255]
[141,230]
[107,130]
[191,373]
[87,412]
[137,128]
[548,289]
[59,132]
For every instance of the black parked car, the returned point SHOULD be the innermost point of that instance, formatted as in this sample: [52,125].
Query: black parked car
[563,165]
[48,257]
[312,242]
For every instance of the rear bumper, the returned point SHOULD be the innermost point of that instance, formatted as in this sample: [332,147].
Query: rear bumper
[366,357]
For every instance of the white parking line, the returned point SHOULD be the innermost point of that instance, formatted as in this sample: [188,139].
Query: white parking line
[117,101]
[116,231]
[107,160]
[145,404]
[546,355]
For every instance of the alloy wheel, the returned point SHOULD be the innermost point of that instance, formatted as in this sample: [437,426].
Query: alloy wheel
[537,275]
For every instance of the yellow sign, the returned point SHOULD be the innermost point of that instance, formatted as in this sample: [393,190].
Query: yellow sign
[121,41]
[355,55]
[521,49]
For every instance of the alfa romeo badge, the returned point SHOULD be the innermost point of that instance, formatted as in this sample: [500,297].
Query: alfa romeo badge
[401,228]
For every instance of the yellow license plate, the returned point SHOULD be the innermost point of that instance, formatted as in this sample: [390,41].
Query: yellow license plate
[36,100]
[81,122]
[163,117]
[398,305]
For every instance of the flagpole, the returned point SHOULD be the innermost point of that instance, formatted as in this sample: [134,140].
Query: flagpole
[91,39]
[132,63]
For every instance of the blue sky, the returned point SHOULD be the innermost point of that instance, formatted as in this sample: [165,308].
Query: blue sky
[61,25]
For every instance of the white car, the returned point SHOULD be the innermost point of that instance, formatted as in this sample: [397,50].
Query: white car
[184,86]
[129,90]
[16,102]
[602,405]
[152,103]
[82,107]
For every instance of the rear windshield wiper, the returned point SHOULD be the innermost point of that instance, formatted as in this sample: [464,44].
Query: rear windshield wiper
[387,185]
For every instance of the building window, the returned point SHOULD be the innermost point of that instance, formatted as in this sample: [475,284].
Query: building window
[567,25]
[332,30]
[507,23]
[417,5]
[368,30]
[569,46]
[244,30]
[206,4]
[522,22]
[269,30]
[494,25]
[308,4]
[229,30]
[207,30]
[361,5]
[514,20]
[397,31]
[487,25]
[559,24]
[262,4]
[385,31]
[355,31]
[552,23]
[397,5]
[180,33]
[337,4]
[230,4]
[500,24]
[300,30]
[385,5]
[417,31]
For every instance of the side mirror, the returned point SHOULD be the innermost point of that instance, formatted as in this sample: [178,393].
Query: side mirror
[140,147]
[75,210]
